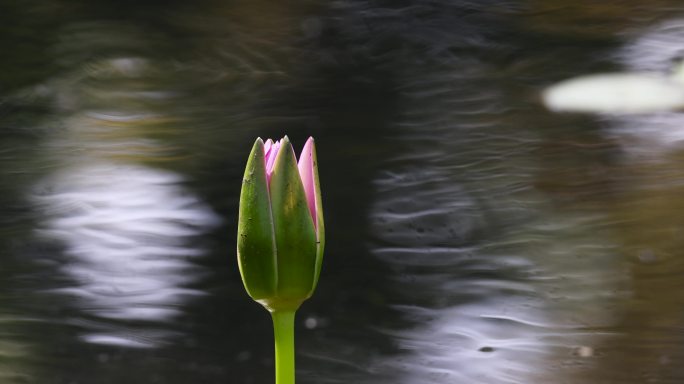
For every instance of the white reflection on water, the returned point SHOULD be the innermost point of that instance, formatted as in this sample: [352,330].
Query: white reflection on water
[128,234]
[658,49]
[501,285]
[505,283]
[504,310]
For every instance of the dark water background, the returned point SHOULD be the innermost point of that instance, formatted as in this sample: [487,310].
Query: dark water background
[473,236]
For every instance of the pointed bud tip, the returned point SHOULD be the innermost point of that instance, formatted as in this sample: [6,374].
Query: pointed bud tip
[258,145]
[307,175]
[308,146]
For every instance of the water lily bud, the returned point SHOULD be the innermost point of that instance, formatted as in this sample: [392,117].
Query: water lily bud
[280,227]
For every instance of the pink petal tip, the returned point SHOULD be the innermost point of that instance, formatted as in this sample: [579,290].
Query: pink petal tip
[306,173]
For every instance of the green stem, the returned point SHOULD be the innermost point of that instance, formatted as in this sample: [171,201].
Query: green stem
[283,330]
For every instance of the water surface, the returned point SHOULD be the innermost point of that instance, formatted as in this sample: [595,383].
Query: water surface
[473,236]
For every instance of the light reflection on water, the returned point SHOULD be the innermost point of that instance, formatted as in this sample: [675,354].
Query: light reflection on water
[656,49]
[585,302]
[129,232]
[504,283]
[496,277]
[128,235]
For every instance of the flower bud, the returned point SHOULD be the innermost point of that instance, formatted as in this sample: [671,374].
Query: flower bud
[280,225]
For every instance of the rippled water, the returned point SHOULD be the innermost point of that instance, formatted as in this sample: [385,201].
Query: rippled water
[473,236]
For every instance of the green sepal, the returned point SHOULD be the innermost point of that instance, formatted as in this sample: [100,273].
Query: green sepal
[256,247]
[295,235]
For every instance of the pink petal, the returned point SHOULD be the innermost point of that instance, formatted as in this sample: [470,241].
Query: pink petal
[270,157]
[306,173]
[267,147]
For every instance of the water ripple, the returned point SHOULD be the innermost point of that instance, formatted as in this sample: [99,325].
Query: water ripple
[127,232]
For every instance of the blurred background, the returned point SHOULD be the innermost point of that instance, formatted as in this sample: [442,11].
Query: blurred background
[473,236]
